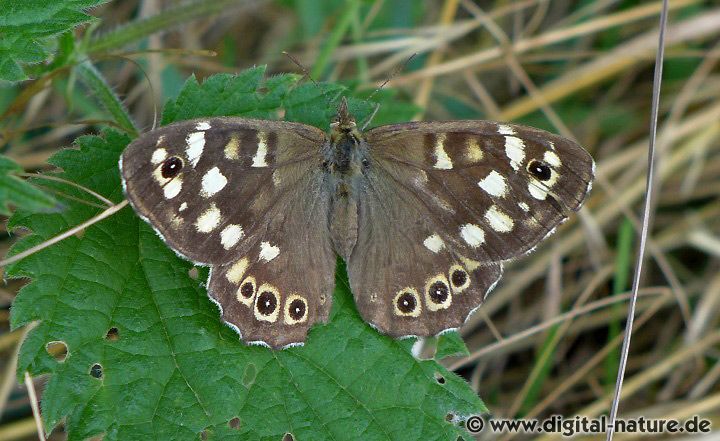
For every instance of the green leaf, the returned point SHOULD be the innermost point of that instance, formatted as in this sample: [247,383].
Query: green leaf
[450,344]
[27,28]
[174,370]
[19,192]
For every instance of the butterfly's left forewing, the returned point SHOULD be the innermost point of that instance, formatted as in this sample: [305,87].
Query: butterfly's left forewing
[245,197]
[455,199]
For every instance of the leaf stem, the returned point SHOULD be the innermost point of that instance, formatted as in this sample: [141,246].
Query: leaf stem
[94,80]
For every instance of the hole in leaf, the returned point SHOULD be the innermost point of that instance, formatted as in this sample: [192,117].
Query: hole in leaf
[249,375]
[288,437]
[204,435]
[193,273]
[58,350]
[450,417]
[96,371]
[439,378]
[113,334]
[234,423]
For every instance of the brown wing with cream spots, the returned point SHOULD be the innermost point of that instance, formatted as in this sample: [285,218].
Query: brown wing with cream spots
[210,186]
[405,278]
[283,285]
[275,293]
[444,204]
[495,189]
[245,197]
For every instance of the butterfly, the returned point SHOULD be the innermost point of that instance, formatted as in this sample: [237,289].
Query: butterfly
[423,213]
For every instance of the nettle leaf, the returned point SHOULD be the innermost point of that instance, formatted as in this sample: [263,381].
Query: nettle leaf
[147,354]
[450,344]
[27,28]
[18,192]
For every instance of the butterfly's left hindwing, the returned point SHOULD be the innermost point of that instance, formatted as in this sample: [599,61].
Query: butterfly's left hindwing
[244,196]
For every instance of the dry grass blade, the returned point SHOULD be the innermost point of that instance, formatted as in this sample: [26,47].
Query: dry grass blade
[21,255]
[647,214]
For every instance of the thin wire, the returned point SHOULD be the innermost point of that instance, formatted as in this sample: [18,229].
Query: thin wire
[657,81]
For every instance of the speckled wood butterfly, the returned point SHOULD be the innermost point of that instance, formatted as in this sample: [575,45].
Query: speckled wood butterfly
[424,214]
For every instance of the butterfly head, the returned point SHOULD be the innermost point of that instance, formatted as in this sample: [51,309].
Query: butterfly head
[343,121]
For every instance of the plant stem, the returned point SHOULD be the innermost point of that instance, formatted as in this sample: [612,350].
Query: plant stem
[168,18]
[94,80]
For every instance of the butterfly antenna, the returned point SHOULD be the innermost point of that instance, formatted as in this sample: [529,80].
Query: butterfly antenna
[393,74]
[371,117]
[657,81]
[303,69]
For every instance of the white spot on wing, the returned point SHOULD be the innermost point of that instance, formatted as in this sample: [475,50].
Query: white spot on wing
[268,252]
[183,206]
[494,184]
[195,145]
[158,156]
[232,147]
[259,158]
[515,150]
[474,152]
[498,220]
[202,125]
[434,243]
[212,182]
[472,234]
[552,158]
[209,219]
[443,161]
[231,235]
[237,271]
[172,188]
[505,129]
[523,206]
[536,191]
